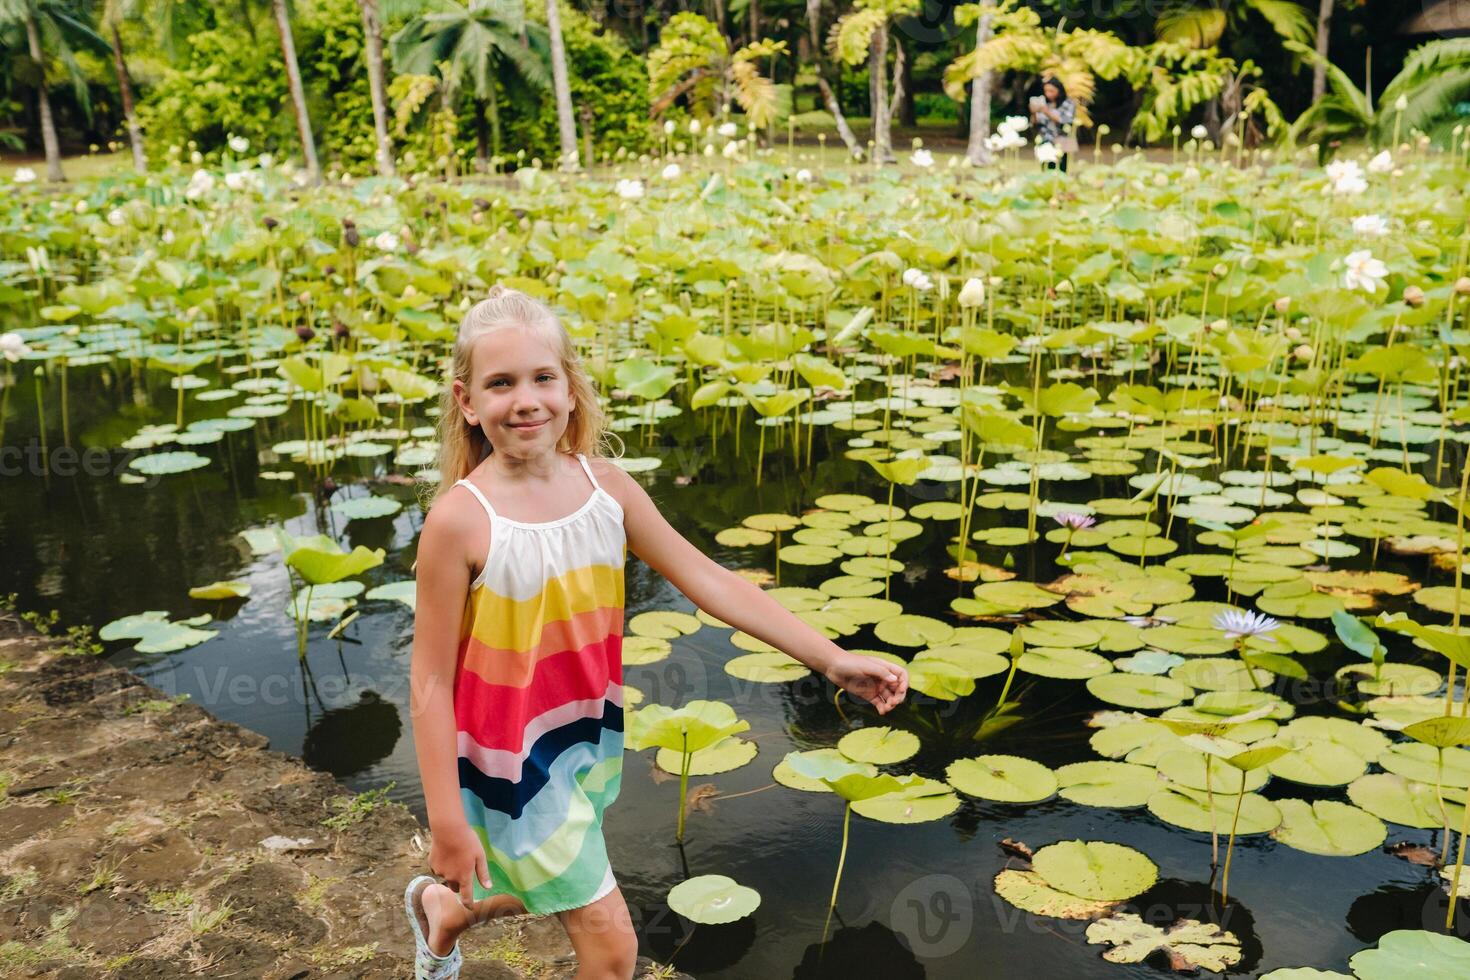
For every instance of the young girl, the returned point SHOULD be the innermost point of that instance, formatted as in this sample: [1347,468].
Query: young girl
[516,676]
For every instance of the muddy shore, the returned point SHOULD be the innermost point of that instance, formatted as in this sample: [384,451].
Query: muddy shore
[140,837]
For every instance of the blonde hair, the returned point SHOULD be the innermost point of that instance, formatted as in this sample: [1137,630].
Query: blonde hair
[462,446]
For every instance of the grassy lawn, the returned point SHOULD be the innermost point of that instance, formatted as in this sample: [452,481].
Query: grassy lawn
[85,167]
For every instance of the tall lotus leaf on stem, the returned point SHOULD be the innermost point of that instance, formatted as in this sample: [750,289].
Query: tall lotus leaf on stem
[1449,644]
[1212,732]
[1053,401]
[697,725]
[1443,733]
[316,379]
[179,364]
[1359,639]
[775,406]
[1237,536]
[852,781]
[646,380]
[904,470]
[995,430]
[321,561]
[1244,760]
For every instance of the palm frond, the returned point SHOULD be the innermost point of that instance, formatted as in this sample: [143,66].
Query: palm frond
[1287,18]
[755,93]
[1434,80]
[1200,27]
[853,34]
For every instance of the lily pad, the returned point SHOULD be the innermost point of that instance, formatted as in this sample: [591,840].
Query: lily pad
[1002,778]
[713,899]
[1328,827]
[880,745]
[1096,870]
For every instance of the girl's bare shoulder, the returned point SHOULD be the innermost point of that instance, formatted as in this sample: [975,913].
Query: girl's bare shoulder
[613,478]
[456,526]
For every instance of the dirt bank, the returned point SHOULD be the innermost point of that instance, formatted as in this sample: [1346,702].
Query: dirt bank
[141,837]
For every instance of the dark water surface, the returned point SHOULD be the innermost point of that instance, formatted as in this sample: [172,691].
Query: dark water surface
[916,901]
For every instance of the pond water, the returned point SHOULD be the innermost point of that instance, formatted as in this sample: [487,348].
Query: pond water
[916,900]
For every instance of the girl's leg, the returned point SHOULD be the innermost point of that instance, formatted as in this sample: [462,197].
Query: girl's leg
[602,934]
[448,916]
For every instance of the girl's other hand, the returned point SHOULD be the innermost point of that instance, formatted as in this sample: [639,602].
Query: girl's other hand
[456,856]
[881,683]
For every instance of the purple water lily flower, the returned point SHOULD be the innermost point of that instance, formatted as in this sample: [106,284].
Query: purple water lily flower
[1074,521]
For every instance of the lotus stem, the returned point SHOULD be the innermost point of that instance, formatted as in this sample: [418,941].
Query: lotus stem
[1449,919]
[841,856]
[1230,847]
[684,760]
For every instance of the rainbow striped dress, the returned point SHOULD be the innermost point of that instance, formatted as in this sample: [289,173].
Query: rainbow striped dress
[538,702]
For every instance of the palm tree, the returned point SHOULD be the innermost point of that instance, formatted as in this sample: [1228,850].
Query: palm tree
[114,12]
[372,32]
[566,128]
[56,24]
[1319,68]
[298,91]
[470,45]
[693,59]
[864,33]
[1204,24]
[1423,96]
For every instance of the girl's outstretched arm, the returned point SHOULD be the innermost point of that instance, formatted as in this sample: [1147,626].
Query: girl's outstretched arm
[732,599]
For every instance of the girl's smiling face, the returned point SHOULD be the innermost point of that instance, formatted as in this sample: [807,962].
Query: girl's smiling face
[517,393]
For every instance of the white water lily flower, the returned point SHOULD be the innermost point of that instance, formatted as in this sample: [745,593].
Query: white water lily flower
[671,172]
[236,181]
[386,242]
[1401,103]
[1370,225]
[167,237]
[81,206]
[922,158]
[1200,133]
[115,217]
[199,185]
[629,190]
[1364,272]
[694,126]
[803,176]
[917,280]
[239,144]
[24,175]
[731,150]
[728,130]
[13,347]
[1014,124]
[1236,624]
[1047,153]
[669,127]
[972,294]
[1381,164]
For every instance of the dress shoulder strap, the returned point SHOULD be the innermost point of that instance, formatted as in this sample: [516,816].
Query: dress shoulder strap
[588,470]
[478,496]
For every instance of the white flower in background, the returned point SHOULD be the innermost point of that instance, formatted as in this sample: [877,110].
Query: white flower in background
[1014,124]
[199,185]
[671,172]
[728,130]
[13,346]
[196,157]
[24,175]
[694,126]
[1364,272]
[81,207]
[236,181]
[1381,164]
[1401,103]
[38,259]
[803,176]
[167,237]
[922,158]
[917,280]
[1200,133]
[239,144]
[1005,139]
[731,150]
[386,242]
[1236,624]
[972,294]
[629,190]
[709,149]
[669,127]
[115,217]
[1370,226]
[265,160]
[1047,153]
[1191,175]
[1347,177]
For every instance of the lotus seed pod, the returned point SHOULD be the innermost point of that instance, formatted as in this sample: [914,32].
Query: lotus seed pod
[1293,334]
[1414,296]
[1282,304]
[1304,353]
[1462,285]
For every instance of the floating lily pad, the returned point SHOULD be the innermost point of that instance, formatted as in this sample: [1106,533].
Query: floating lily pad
[641,650]
[1029,892]
[766,668]
[1394,799]
[729,753]
[233,589]
[913,631]
[921,801]
[1328,827]
[1097,870]
[362,508]
[1119,785]
[1190,809]
[1002,778]
[1413,953]
[163,464]
[713,899]
[1064,663]
[1139,691]
[879,745]
[663,624]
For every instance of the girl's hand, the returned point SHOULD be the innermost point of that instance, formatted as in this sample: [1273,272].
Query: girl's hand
[879,682]
[456,856]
